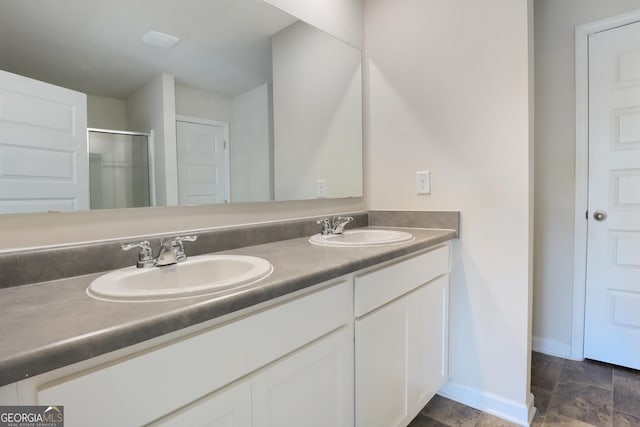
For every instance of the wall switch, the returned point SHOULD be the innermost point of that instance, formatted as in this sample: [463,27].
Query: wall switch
[423,182]
[321,188]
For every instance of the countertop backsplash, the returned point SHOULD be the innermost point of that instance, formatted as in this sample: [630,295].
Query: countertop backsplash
[45,264]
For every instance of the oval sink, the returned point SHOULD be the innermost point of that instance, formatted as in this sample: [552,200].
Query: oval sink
[198,275]
[363,238]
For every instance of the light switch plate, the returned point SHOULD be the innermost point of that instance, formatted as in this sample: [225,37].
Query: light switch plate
[321,188]
[423,182]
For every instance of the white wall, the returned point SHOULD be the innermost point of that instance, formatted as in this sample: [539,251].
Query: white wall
[152,107]
[251,148]
[448,91]
[202,104]
[555,22]
[343,19]
[106,113]
[320,141]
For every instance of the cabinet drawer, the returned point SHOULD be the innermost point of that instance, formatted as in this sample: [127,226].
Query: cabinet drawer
[378,287]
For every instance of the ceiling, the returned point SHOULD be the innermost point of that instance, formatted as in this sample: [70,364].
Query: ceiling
[94,46]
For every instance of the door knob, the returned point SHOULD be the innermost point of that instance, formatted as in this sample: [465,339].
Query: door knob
[599,215]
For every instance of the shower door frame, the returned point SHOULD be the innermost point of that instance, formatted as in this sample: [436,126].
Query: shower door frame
[150,156]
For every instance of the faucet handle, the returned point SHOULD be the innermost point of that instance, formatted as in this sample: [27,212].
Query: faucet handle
[340,222]
[326,226]
[145,256]
[185,238]
[178,243]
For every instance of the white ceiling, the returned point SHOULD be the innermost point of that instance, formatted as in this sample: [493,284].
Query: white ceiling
[94,46]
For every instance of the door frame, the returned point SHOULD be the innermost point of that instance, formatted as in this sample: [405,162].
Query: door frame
[150,156]
[227,150]
[581,201]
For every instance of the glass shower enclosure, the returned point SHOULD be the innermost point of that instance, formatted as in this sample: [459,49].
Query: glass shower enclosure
[119,169]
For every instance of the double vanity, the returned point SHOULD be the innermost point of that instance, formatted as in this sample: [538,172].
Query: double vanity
[338,329]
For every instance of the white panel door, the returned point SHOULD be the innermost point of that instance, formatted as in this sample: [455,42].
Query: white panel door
[44,164]
[612,312]
[203,163]
[312,387]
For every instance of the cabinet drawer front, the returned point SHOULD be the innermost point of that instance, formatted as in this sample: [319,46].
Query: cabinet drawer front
[157,382]
[378,287]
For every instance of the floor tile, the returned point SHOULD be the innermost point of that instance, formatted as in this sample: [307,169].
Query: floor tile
[624,420]
[626,395]
[567,394]
[582,402]
[626,372]
[587,372]
[557,420]
[450,413]
[545,371]
[424,421]
[487,420]
[541,402]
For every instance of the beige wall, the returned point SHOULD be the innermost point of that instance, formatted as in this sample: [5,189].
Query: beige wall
[202,104]
[316,140]
[555,23]
[251,149]
[448,91]
[106,113]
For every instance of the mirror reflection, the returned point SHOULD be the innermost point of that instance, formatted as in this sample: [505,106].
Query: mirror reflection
[118,169]
[236,101]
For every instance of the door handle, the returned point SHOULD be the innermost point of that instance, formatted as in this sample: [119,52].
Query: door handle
[599,215]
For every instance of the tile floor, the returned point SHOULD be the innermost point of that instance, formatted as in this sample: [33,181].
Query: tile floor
[567,393]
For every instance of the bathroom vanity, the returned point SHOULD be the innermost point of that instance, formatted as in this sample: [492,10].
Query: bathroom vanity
[334,337]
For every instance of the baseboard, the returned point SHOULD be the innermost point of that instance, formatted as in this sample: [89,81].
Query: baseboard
[518,413]
[551,347]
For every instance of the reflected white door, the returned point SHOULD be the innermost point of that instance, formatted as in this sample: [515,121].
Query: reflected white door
[612,312]
[43,147]
[203,163]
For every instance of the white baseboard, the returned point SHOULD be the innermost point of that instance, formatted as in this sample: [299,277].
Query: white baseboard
[551,347]
[519,413]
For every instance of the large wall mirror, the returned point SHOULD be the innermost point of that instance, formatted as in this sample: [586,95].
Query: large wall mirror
[185,102]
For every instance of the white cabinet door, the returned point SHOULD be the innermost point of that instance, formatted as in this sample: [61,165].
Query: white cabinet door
[312,387]
[382,366]
[429,328]
[229,407]
[401,356]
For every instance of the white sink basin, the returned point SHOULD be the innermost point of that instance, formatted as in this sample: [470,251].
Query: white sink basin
[198,275]
[363,238]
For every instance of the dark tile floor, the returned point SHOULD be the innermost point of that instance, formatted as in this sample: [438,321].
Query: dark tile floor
[567,393]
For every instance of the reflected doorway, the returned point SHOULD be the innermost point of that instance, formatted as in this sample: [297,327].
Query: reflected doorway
[203,161]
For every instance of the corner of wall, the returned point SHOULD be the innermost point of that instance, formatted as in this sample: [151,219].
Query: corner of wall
[490,403]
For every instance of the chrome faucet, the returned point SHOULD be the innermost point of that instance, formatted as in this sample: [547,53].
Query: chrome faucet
[334,226]
[340,222]
[145,256]
[171,252]
[326,226]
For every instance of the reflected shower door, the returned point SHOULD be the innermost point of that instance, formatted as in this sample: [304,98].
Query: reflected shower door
[118,169]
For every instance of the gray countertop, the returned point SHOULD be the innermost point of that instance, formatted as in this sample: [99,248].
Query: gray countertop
[53,324]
